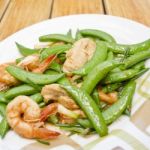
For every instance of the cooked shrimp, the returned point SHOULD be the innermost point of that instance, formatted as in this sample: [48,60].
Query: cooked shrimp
[32,63]
[109,98]
[54,108]
[6,80]
[23,116]
[56,93]
[44,65]
[77,56]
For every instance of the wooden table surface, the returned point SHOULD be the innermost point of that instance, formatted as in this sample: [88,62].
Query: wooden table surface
[17,14]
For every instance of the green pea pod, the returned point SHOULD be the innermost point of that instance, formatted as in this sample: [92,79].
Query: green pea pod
[110,55]
[37,98]
[115,110]
[20,90]
[55,66]
[26,51]
[56,38]
[78,35]
[133,48]
[97,74]
[140,73]
[51,72]
[42,104]
[99,56]
[4,127]
[3,109]
[140,65]
[90,108]
[96,97]
[111,87]
[62,81]
[120,76]
[99,34]
[62,57]
[128,108]
[85,123]
[2,98]
[136,58]
[53,50]
[36,78]
[18,60]
[74,129]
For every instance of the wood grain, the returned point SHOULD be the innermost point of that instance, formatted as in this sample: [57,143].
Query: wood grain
[68,7]
[138,10]
[3,6]
[22,13]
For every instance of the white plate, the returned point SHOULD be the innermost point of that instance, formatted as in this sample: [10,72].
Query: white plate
[124,31]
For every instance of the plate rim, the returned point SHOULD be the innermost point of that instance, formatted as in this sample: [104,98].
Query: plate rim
[75,15]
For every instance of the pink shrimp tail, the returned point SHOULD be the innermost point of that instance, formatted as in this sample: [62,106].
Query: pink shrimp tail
[44,65]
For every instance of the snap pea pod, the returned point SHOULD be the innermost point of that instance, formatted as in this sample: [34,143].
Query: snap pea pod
[36,78]
[55,66]
[140,65]
[56,49]
[2,98]
[18,60]
[96,97]
[133,48]
[51,72]
[120,76]
[26,51]
[43,142]
[37,98]
[75,129]
[78,35]
[56,38]
[85,123]
[4,127]
[110,55]
[128,108]
[90,108]
[136,58]
[3,109]
[62,57]
[99,56]
[140,73]
[99,34]
[111,87]
[97,74]
[115,110]
[20,90]
[42,104]
[62,81]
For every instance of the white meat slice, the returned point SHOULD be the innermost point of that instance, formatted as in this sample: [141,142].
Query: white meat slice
[79,54]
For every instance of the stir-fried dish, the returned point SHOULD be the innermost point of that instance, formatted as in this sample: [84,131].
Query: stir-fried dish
[70,85]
